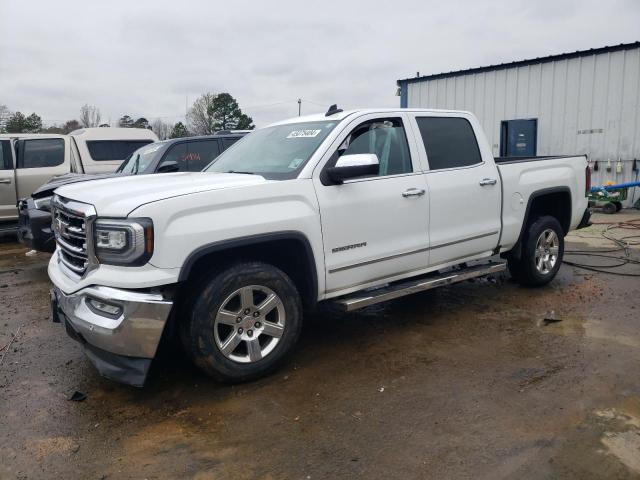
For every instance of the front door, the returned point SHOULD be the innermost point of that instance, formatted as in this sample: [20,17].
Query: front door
[376,227]
[8,199]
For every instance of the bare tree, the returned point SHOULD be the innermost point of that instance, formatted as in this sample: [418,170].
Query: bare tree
[4,116]
[200,118]
[89,116]
[161,129]
[213,112]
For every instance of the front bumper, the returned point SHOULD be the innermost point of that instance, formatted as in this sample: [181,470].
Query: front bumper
[121,347]
[34,227]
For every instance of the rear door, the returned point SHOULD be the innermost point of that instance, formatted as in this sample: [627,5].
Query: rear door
[40,159]
[8,199]
[464,188]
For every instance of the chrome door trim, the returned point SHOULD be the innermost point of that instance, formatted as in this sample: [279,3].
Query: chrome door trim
[468,239]
[413,252]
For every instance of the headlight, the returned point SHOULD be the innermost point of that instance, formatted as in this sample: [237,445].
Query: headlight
[43,203]
[123,242]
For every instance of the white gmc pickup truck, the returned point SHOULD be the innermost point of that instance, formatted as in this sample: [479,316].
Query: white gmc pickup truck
[355,207]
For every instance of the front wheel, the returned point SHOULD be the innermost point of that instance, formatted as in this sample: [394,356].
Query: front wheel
[242,322]
[542,253]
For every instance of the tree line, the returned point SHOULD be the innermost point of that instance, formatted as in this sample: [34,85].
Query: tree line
[210,113]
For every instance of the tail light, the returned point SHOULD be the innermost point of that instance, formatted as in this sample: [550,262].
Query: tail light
[587,182]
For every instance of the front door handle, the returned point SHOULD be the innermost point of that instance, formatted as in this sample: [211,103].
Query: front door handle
[488,181]
[413,192]
[5,180]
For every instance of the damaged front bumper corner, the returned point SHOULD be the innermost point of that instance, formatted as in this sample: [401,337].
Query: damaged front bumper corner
[119,329]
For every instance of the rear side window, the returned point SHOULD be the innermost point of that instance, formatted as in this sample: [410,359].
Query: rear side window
[104,150]
[192,156]
[41,153]
[449,142]
[5,155]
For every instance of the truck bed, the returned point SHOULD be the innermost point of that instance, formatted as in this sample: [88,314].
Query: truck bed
[523,177]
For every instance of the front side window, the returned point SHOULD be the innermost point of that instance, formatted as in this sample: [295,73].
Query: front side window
[192,156]
[449,142]
[140,159]
[113,150]
[384,137]
[227,142]
[41,153]
[277,152]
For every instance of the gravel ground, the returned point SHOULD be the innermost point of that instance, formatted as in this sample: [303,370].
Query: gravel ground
[484,379]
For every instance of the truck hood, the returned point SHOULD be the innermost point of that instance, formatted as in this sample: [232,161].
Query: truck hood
[47,189]
[119,196]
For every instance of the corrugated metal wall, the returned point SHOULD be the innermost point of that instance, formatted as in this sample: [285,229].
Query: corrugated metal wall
[589,104]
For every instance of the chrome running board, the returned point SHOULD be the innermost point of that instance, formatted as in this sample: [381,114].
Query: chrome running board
[397,290]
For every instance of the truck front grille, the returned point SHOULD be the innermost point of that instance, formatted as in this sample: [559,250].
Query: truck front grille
[71,225]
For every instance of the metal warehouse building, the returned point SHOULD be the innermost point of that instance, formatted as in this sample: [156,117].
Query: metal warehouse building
[582,102]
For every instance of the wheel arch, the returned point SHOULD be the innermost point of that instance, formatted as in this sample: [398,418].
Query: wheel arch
[290,251]
[553,201]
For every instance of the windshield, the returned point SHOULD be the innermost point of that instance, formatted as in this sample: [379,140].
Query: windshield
[140,160]
[277,152]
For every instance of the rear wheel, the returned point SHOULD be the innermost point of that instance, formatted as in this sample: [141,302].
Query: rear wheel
[242,322]
[618,206]
[541,255]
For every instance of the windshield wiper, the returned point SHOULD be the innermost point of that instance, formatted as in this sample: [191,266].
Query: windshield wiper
[236,171]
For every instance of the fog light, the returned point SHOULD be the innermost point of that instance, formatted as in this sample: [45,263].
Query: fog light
[104,308]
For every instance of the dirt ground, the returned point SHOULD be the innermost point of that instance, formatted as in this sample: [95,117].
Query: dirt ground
[485,379]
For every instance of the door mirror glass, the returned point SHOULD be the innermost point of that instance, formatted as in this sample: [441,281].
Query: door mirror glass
[168,166]
[353,166]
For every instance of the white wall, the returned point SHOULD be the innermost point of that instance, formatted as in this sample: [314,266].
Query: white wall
[599,93]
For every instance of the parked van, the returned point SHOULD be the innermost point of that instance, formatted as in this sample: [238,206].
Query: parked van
[29,160]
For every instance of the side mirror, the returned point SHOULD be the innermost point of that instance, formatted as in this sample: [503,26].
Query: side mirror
[352,166]
[168,167]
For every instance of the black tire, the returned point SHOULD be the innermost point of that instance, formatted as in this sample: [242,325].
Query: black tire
[618,206]
[525,268]
[210,295]
[609,208]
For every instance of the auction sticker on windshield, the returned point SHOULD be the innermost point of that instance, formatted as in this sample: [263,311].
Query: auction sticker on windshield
[304,134]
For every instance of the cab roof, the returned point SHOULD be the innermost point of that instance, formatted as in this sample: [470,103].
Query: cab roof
[321,117]
[114,133]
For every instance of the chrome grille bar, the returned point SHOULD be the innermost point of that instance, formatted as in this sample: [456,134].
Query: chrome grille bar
[71,222]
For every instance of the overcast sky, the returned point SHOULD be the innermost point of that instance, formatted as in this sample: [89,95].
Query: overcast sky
[145,58]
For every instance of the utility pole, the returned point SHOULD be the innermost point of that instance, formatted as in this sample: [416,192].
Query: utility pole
[299,106]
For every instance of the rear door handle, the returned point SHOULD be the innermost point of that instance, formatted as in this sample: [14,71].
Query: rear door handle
[488,181]
[5,180]
[413,192]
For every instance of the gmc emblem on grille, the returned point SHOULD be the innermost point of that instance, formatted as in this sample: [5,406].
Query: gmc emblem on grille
[59,225]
